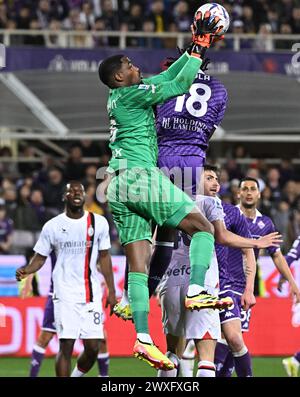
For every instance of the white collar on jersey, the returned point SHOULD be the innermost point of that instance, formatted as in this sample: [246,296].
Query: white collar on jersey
[257,213]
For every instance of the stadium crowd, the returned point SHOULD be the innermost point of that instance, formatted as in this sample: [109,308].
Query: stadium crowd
[30,193]
[255,16]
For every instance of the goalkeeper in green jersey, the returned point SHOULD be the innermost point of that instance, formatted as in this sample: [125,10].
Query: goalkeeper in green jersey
[138,192]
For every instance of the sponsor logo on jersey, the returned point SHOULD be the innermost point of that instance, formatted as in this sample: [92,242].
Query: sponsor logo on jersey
[143,87]
[229,314]
[64,230]
[184,269]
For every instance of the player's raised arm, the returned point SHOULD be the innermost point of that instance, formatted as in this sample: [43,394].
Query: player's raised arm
[201,41]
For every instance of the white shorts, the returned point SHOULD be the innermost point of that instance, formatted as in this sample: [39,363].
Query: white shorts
[78,320]
[179,321]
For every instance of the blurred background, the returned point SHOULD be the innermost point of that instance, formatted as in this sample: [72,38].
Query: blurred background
[54,127]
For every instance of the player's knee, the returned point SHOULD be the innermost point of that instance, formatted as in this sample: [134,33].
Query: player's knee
[92,351]
[235,341]
[44,339]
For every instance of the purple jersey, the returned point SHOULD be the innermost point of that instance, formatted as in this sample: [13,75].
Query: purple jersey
[186,123]
[230,260]
[6,228]
[259,227]
[294,252]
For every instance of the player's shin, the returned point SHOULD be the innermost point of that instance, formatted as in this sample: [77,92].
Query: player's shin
[139,301]
[242,363]
[221,353]
[201,250]
[159,263]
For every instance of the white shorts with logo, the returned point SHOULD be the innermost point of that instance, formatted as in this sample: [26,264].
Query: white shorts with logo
[78,320]
[179,321]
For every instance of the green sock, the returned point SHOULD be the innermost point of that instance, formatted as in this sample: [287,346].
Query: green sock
[138,295]
[201,250]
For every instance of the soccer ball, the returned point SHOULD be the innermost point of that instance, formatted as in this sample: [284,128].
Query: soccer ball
[216,10]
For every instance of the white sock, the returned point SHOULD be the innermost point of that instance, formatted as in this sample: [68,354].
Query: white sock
[194,289]
[173,373]
[187,361]
[124,300]
[206,369]
[241,353]
[39,349]
[145,338]
[77,373]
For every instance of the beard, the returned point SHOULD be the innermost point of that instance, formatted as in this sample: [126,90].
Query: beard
[248,206]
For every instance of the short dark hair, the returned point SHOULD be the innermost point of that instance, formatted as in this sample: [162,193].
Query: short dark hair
[248,178]
[213,168]
[108,67]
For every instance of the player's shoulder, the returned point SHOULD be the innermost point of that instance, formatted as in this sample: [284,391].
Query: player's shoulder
[53,222]
[230,208]
[100,220]
[208,200]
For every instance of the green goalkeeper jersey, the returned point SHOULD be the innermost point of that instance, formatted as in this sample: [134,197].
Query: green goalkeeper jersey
[133,138]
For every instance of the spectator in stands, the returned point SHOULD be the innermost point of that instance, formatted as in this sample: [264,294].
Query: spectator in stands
[238,28]
[25,217]
[248,21]
[90,175]
[90,202]
[134,23]
[38,39]
[254,172]
[160,18]
[75,169]
[73,18]
[10,197]
[23,18]
[99,26]
[290,193]
[56,39]
[273,20]
[53,190]
[295,22]
[281,218]
[273,177]
[6,229]
[90,148]
[81,40]
[264,42]
[265,206]
[149,42]
[285,28]
[111,18]
[86,16]
[8,167]
[3,15]
[182,17]
[37,204]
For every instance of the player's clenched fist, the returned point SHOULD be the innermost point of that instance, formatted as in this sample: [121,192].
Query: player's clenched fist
[21,273]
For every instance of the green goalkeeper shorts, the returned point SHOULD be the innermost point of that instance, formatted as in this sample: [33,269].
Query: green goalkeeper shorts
[138,195]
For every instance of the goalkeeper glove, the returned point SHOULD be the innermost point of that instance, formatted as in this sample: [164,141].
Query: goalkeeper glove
[204,31]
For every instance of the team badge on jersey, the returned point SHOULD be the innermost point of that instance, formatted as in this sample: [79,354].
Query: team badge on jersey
[90,231]
[261,225]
